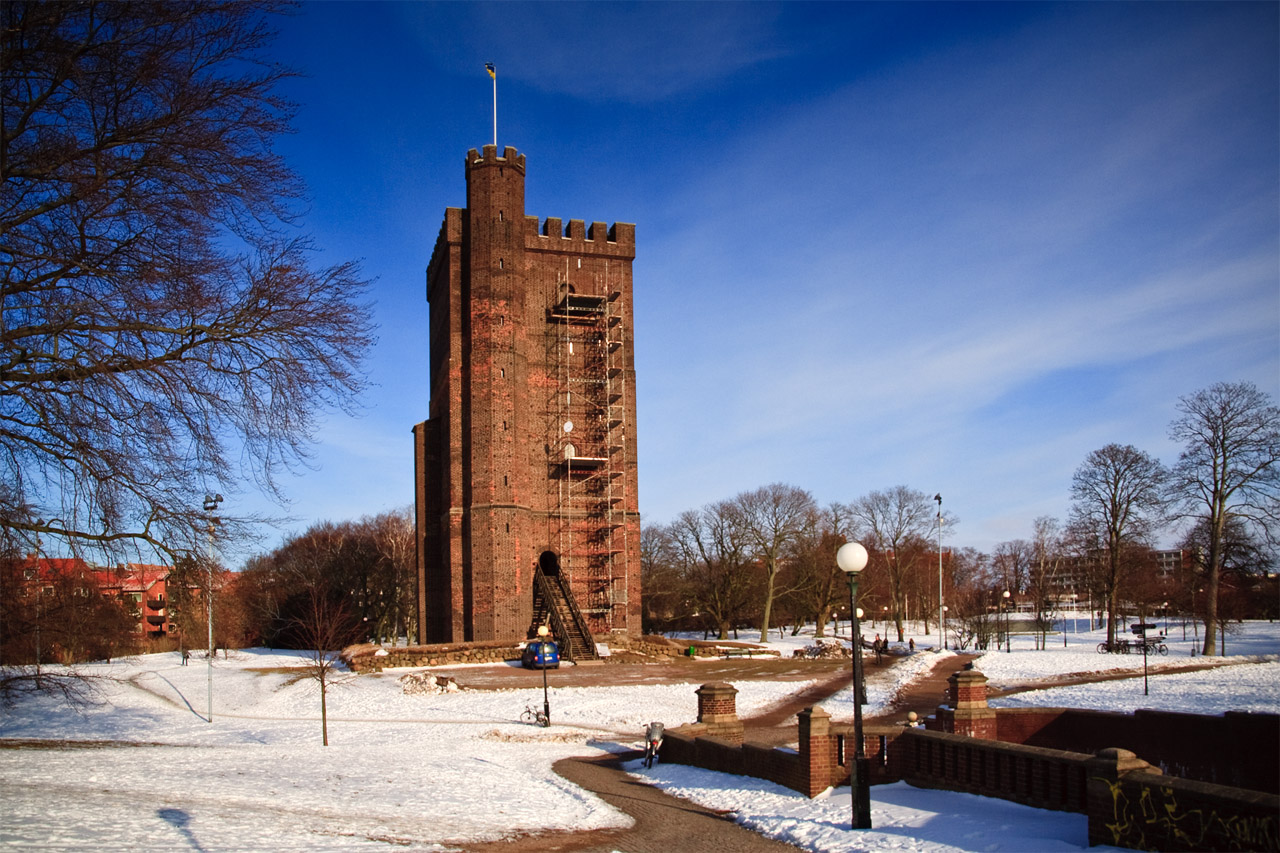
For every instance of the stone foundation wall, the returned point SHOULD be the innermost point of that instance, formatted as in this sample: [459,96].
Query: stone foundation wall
[369,658]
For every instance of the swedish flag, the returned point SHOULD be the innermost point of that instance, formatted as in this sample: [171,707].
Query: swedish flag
[488,66]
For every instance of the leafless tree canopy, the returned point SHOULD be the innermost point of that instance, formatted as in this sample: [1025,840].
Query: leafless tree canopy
[897,524]
[773,518]
[714,557]
[165,332]
[1229,469]
[1118,498]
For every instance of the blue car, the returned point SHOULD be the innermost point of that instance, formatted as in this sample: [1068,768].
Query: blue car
[540,655]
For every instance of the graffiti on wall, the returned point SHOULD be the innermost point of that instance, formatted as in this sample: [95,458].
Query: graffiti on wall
[1156,820]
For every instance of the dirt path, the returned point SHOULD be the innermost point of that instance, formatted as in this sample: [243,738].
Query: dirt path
[777,727]
[1110,675]
[663,823]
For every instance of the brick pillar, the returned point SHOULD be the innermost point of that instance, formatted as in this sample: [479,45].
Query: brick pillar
[817,751]
[718,711]
[969,715]
[1110,812]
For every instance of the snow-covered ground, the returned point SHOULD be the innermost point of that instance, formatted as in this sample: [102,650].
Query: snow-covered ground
[439,771]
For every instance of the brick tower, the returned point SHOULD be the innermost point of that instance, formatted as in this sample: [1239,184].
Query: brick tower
[529,446]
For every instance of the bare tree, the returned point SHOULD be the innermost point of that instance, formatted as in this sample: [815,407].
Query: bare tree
[392,534]
[1011,562]
[664,599]
[1231,443]
[715,558]
[1118,498]
[326,626]
[891,521]
[772,517]
[818,585]
[165,331]
[1046,566]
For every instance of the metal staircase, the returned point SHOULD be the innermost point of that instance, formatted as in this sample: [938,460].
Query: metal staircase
[553,606]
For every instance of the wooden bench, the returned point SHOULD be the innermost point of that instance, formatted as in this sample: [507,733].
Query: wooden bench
[737,653]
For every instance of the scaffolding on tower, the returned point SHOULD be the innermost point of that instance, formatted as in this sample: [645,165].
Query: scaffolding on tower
[588,449]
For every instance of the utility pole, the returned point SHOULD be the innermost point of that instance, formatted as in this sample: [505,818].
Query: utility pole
[211,506]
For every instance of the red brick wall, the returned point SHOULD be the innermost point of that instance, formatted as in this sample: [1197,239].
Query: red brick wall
[1236,749]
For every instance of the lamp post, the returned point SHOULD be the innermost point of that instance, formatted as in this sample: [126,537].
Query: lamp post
[39,595]
[945,611]
[543,631]
[211,506]
[1005,606]
[1195,624]
[941,609]
[852,559]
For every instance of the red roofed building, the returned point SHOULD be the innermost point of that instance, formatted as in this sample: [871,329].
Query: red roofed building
[143,587]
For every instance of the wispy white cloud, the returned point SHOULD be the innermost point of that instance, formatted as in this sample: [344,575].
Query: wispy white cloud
[628,52]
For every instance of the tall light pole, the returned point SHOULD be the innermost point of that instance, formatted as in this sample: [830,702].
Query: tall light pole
[543,631]
[852,559]
[941,609]
[1008,644]
[40,583]
[210,506]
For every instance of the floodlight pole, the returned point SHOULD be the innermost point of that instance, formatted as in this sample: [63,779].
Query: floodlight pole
[1008,641]
[210,506]
[941,609]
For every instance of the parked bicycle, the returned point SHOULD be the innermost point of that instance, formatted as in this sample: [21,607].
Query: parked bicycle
[652,743]
[1148,645]
[534,716]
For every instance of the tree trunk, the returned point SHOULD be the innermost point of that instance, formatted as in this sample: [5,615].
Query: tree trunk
[1211,583]
[768,608]
[324,714]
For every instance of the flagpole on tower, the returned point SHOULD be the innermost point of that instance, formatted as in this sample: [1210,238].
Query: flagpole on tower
[493,74]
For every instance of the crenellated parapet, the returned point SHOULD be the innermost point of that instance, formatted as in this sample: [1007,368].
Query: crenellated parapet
[488,156]
[553,234]
[450,234]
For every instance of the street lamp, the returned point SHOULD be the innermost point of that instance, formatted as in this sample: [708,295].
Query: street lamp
[211,506]
[543,632]
[945,611]
[852,559]
[1005,606]
[941,609]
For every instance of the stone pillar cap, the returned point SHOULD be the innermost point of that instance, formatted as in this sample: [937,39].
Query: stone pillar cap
[717,686]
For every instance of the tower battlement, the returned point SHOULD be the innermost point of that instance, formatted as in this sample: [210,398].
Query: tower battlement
[489,157]
[554,234]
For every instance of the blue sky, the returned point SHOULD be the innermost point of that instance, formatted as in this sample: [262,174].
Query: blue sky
[951,246]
